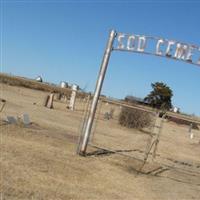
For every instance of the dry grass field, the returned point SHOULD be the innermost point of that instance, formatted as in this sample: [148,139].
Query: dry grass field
[39,162]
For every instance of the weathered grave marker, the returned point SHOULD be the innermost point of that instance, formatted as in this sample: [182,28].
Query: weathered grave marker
[48,101]
[3,104]
[11,120]
[73,97]
[190,131]
[26,119]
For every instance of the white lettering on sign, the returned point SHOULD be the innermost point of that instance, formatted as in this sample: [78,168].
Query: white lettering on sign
[141,44]
[120,41]
[198,62]
[181,51]
[131,43]
[190,53]
[159,43]
[168,48]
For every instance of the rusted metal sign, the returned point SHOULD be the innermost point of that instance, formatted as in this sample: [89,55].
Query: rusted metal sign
[158,46]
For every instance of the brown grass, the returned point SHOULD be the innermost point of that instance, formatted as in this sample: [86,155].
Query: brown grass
[32,84]
[39,162]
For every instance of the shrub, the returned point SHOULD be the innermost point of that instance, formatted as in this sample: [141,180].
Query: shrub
[132,118]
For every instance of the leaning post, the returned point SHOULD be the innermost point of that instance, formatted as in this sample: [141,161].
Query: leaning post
[97,92]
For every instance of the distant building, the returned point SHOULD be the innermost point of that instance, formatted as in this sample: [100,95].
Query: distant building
[135,100]
[176,109]
[63,84]
[39,79]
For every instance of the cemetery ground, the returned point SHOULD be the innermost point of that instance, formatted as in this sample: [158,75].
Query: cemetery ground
[39,161]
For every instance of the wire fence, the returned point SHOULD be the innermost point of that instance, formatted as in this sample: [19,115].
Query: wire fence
[163,142]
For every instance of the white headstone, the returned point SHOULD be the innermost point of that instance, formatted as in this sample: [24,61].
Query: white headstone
[73,97]
[26,119]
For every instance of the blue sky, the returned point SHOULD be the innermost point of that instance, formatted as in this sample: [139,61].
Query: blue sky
[65,40]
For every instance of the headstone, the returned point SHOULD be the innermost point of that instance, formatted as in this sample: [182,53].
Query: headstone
[46,99]
[65,98]
[73,97]
[26,119]
[3,103]
[50,101]
[58,96]
[190,128]
[106,116]
[112,110]
[11,120]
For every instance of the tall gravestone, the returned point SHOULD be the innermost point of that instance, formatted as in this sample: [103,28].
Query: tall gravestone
[73,97]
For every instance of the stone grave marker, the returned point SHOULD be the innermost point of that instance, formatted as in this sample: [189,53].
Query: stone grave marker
[26,119]
[11,120]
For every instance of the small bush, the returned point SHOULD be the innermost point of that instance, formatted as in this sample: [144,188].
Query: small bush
[132,118]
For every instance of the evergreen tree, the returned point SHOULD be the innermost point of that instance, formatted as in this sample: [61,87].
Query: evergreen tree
[160,96]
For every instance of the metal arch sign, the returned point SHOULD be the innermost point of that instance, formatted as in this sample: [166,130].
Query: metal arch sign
[139,44]
[158,46]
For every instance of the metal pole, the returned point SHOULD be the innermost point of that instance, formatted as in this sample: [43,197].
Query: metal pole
[97,92]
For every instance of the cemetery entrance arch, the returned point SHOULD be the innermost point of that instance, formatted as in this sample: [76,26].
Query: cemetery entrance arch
[138,44]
